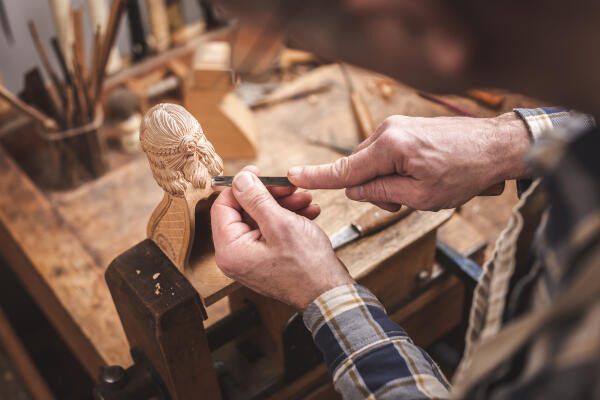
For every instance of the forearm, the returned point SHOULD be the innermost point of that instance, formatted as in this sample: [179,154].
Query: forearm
[366,352]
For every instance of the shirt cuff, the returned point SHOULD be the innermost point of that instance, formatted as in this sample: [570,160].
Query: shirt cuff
[347,319]
[543,120]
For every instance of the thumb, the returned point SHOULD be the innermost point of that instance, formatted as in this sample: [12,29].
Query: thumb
[347,171]
[256,200]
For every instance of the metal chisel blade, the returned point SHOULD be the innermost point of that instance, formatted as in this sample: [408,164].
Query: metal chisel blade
[344,236]
[266,180]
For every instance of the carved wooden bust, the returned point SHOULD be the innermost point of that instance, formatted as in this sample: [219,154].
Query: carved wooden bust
[183,162]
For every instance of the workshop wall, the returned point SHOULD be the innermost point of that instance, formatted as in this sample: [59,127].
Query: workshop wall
[17,57]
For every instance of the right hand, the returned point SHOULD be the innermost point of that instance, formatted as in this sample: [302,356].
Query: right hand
[425,163]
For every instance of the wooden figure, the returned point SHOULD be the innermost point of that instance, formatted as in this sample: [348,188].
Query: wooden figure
[229,122]
[183,163]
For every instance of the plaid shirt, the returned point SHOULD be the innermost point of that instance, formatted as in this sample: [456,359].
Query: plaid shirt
[370,356]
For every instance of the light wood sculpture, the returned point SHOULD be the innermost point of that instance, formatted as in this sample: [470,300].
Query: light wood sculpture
[229,122]
[183,162]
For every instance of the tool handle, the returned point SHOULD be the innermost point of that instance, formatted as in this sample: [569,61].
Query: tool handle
[159,23]
[363,117]
[492,100]
[46,121]
[494,190]
[377,219]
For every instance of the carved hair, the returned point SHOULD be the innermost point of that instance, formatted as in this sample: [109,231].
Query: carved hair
[178,152]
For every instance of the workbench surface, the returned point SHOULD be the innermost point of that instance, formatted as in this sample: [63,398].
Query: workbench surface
[59,243]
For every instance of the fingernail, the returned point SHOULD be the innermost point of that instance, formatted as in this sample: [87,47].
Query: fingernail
[294,172]
[242,181]
[356,193]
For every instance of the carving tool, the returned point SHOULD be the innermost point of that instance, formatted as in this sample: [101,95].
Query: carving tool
[61,10]
[116,12]
[450,106]
[35,36]
[46,121]
[492,100]
[368,223]
[139,47]
[359,108]
[98,12]
[266,180]
[6,23]
[159,24]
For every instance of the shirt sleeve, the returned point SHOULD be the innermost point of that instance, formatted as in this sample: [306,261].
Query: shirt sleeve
[541,121]
[544,120]
[368,355]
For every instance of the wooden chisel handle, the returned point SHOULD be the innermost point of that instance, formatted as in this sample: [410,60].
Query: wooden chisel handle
[363,117]
[377,219]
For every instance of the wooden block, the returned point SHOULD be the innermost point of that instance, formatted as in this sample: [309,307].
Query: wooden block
[229,124]
[162,315]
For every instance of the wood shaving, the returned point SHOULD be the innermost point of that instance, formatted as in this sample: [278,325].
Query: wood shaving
[156,275]
[157,288]
[137,271]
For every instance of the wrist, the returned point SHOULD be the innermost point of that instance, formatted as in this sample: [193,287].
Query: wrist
[511,140]
[323,287]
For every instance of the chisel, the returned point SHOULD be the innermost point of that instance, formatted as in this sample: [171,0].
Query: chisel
[266,180]
[368,223]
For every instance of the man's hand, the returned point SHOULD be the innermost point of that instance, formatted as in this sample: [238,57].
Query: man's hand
[425,163]
[266,241]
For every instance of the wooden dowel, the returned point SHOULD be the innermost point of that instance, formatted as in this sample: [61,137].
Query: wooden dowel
[116,12]
[79,41]
[35,36]
[46,121]
[80,89]
[93,76]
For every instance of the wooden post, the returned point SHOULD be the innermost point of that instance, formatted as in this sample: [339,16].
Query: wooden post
[162,315]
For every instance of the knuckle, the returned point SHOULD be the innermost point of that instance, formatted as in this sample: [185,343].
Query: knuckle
[341,169]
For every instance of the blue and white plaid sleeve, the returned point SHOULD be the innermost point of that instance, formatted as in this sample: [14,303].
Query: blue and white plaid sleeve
[541,121]
[368,355]
[544,120]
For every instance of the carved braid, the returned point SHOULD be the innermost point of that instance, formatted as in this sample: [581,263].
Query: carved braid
[178,152]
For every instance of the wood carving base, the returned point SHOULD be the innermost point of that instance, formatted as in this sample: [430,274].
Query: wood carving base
[172,224]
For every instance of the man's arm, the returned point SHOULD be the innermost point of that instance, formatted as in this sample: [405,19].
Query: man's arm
[367,353]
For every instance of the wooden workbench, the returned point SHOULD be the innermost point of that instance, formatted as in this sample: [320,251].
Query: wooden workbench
[59,243]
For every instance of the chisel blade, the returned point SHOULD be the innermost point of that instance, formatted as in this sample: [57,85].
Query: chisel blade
[344,236]
[266,180]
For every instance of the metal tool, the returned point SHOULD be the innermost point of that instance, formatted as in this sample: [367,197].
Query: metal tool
[370,222]
[5,22]
[266,180]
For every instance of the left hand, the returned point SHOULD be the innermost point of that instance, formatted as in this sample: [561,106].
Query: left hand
[265,240]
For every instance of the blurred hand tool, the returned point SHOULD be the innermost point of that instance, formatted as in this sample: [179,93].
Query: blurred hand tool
[492,100]
[6,23]
[450,106]
[370,222]
[47,122]
[359,108]
[139,47]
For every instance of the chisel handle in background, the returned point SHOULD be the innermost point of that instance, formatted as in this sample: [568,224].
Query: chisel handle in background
[492,100]
[159,23]
[377,219]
